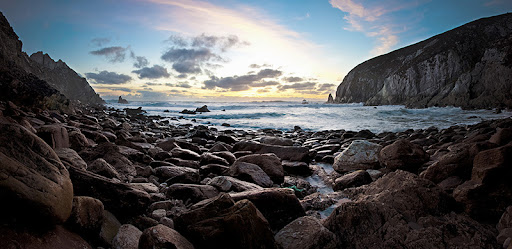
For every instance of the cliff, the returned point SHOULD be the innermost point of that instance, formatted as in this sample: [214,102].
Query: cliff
[57,74]
[469,66]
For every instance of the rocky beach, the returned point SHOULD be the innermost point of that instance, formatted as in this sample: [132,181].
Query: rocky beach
[75,173]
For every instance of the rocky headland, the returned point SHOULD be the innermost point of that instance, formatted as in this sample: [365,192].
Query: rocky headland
[469,67]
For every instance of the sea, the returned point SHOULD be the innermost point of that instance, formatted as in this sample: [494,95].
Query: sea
[313,116]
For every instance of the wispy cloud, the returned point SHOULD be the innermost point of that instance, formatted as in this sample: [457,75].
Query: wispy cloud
[374,19]
[113,54]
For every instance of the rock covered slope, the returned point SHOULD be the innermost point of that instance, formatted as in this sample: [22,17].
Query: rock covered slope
[469,66]
[57,74]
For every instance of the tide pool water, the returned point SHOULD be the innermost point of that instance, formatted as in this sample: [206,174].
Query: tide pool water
[314,116]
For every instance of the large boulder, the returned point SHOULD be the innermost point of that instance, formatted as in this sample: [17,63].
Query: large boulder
[401,210]
[161,236]
[280,206]
[488,193]
[127,237]
[403,155]
[251,173]
[191,192]
[86,216]
[276,141]
[185,154]
[360,154]
[354,179]
[292,153]
[112,154]
[220,223]
[306,233]
[34,185]
[175,174]
[57,237]
[269,163]
[120,198]
[54,135]
[101,167]
[69,158]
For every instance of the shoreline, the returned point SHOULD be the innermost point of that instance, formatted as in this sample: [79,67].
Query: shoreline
[148,174]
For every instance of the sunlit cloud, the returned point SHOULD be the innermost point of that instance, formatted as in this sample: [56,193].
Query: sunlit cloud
[374,20]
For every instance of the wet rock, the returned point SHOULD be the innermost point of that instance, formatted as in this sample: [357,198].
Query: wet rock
[109,227]
[86,216]
[360,154]
[228,156]
[403,155]
[78,141]
[192,192]
[161,236]
[34,183]
[251,173]
[276,141]
[120,198]
[269,163]
[127,237]
[111,153]
[101,167]
[291,153]
[305,233]
[354,179]
[279,206]
[226,139]
[175,174]
[221,223]
[69,158]
[212,170]
[54,135]
[57,237]
[184,163]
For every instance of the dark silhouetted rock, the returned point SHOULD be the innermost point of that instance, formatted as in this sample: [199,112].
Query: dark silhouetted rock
[57,237]
[403,155]
[306,233]
[251,173]
[354,179]
[269,163]
[192,192]
[292,153]
[161,236]
[203,108]
[122,101]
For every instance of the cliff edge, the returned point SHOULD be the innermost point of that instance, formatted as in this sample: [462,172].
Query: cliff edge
[469,66]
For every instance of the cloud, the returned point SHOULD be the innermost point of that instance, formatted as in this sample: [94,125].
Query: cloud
[140,61]
[377,19]
[105,77]
[259,66]
[241,83]
[98,42]
[293,79]
[188,61]
[152,84]
[154,72]
[326,87]
[113,54]
[221,42]
[122,89]
[153,95]
[180,84]
[298,86]
[178,40]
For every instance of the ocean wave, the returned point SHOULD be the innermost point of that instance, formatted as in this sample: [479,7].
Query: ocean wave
[243,115]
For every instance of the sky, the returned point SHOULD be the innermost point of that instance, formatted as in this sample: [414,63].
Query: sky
[229,50]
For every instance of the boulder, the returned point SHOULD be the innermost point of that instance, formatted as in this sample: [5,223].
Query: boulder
[228,156]
[276,141]
[305,233]
[403,155]
[69,158]
[269,163]
[360,154]
[175,174]
[86,216]
[185,154]
[212,170]
[34,185]
[401,210]
[203,108]
[54,135]
[221,183]
[221,223]
[109,227]
[112,154]
[209,158]
[505,220]
[354,179]
[101,167]
[77,140]
[280,206]
[57,237]
[127,237]
[251,173]
[161,236]
[184,163]
[122,199]
[192,192]
[296,168]
[167,144]
[502,136]
[457,162]
[292,153]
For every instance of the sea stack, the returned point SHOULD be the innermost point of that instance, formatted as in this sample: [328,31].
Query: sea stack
[330,99]
[122,101]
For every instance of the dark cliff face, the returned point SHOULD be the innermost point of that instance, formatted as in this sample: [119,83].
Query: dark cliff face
[469,66]
[57,75]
